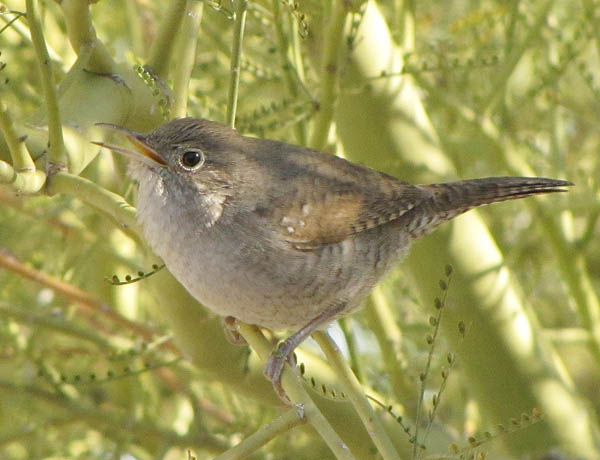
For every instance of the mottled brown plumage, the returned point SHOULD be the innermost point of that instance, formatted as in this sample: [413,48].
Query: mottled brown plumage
[283,236]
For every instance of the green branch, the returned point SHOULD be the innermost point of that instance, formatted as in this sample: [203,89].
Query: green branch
[19,154]
[575,275]
[186,56]
[296,392]
[82,35]
[290,419]
[329,74]
[89,305]
[382,321]
[135,26]
[292,74]
[57,324]
[56,146]
[162,47]
[27,182]
[108,202]
[355,394]
[346,325]
[22,176]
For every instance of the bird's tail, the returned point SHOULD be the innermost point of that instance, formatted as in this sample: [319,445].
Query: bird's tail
[454,198]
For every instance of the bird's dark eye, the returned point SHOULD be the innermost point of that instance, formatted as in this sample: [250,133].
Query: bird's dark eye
[192,159]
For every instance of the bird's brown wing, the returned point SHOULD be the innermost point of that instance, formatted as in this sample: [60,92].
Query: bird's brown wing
[322,210]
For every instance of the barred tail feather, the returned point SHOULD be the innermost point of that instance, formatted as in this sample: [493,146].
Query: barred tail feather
[454,198]
[479,192]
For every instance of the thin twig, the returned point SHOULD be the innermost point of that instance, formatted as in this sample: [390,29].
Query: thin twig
[292,418]
[440,305]
[80,297]
[236,59]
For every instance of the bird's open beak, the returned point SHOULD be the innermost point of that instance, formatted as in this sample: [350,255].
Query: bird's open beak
[142,152]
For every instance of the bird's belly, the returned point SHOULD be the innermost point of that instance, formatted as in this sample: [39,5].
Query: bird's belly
[254,288]
[236,274]
[265,286]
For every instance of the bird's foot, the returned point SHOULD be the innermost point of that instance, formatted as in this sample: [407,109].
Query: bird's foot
[274,368]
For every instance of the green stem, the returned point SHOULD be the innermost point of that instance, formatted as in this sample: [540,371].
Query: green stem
[56,146]
[296,392]
[296,57]
[590,230]
[162,47]
[27,182]
[285,422]
[356,396]
[41,321]
[134,23]
[355,361]
[382,322]
[19,154]
[236,59]
[186,56]
[291,75]
[416,444]
[88,304]
[575,274]
[82,35]
[567,336]
[406,21]
[108,202]
[329,74]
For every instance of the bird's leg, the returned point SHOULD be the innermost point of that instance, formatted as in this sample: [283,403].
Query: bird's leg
[284,351]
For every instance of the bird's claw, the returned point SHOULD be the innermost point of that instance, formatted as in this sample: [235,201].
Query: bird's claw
[274,369]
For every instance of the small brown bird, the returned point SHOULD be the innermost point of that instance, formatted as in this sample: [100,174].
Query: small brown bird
[283,236]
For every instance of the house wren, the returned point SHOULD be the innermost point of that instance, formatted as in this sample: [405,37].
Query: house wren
[283,236]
